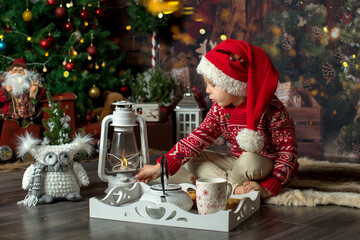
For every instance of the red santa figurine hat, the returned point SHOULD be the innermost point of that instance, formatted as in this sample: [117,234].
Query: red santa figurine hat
[18,63]
[243,70]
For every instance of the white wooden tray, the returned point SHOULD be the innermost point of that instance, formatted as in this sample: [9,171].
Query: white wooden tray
[123,205]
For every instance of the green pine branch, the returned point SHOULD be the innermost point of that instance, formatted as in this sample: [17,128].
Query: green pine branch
[44,21]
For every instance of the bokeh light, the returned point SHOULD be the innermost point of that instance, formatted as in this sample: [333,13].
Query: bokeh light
[335,32]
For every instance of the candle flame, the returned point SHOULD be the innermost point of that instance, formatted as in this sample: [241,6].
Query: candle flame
[124,162]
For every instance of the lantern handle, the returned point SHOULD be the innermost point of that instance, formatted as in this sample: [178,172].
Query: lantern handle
[102,150]
[144,141]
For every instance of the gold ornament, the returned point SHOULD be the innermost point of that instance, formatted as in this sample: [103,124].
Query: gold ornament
[27,15]
[94,92]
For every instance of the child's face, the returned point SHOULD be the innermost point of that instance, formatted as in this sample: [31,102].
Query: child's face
[221,97]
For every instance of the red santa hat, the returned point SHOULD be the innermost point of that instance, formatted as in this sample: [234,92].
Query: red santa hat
[18,63]
[243,70]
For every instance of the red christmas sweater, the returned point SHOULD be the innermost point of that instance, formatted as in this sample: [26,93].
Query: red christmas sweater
[276,127]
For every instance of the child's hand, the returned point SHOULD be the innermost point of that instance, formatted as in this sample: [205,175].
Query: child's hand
[148,173]
[255,186]
[252,186]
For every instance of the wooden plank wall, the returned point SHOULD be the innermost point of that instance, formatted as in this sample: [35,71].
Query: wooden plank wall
[244,21]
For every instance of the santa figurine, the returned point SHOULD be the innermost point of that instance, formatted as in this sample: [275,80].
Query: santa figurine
[19,93]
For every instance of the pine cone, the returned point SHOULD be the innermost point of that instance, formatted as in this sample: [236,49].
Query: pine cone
[306,83]
[356,148]
[287,42]
[328,71]
[316,33]
[338,58]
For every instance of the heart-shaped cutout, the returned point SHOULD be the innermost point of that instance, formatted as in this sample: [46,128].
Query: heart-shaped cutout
[155,213]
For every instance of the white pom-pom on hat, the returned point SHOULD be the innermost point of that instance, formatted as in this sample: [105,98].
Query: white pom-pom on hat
[250,140]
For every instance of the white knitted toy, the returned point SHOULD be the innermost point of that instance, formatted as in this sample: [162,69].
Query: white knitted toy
[54,174]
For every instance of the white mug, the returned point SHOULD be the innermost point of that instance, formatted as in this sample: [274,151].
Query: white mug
[212,195]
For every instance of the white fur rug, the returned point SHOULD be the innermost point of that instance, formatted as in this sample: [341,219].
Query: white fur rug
[311,198]
[321,183]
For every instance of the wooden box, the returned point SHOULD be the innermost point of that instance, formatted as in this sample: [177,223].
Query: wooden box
[308,125]
[11,132]
[67,103]
[288,95]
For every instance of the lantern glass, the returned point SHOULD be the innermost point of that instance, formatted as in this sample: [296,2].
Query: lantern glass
[124,155]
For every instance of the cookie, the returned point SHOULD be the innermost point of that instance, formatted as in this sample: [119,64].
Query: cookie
[232,203]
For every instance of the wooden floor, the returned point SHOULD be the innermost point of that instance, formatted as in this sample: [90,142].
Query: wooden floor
[70,220]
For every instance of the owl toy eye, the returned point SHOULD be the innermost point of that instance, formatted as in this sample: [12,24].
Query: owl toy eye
[64,158]
[50,158]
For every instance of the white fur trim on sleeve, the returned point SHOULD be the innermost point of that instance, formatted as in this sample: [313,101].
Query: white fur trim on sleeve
[250,141]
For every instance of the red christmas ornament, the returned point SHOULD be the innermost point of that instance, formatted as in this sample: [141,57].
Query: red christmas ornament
[84,14]
[99,12]
[51,2]
[60,12]
[124,89]
[102,1]
[45,44]
[7,29]
[70,66]
[93,26]
[51,39]
[69,26]
[91,50]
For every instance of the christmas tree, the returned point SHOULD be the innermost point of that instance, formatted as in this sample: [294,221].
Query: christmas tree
[65,41]
[349,50]
[57,125]
[297,41]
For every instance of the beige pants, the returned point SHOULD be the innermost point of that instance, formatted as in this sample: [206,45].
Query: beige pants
[249,166]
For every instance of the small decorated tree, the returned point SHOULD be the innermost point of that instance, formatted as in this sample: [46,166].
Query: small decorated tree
[154,85]
[57,125]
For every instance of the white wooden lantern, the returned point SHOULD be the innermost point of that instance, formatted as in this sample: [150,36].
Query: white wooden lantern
[188,115]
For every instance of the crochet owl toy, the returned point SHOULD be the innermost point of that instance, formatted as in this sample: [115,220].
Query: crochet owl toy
[54,174]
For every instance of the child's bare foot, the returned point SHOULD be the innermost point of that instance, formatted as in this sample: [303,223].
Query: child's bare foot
[193,179]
